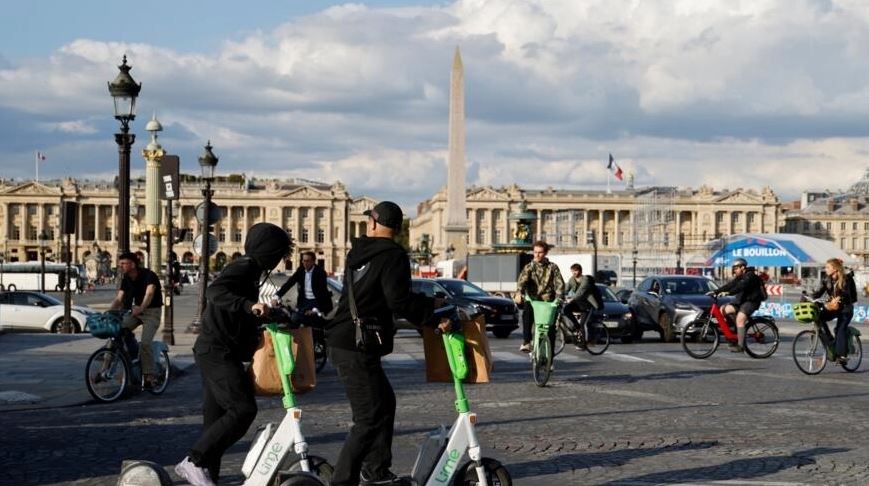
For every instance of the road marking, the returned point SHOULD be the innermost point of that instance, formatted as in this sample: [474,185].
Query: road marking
[571,358]
[626,357]
[400,359]
[14,396]
[673,356]
[510,357]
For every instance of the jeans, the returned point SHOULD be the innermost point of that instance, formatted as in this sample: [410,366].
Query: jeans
[228,405]
[369,444]
[843,318]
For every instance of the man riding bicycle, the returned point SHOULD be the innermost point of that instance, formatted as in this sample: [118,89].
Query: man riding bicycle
[584,298]
[541,280]
[748,292]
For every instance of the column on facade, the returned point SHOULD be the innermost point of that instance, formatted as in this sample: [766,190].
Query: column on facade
[244,225]
[80,224]
[330,237]
[97,221]
[538,234]
[678,226]
[583,237]
[617,237]
[6,220]
[600,227]
[490,226]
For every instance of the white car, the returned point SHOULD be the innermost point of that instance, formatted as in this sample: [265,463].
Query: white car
[22,310]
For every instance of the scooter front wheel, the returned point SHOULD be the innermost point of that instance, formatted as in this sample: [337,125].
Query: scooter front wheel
[320,467]
[496,474]
[302,479]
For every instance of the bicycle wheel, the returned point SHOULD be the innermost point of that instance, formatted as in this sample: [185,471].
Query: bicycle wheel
[107,375]
[761,338]
[810,354]
[162,371]
[855,355]
[700,338]
[561,337]
[541,361]
[597,338]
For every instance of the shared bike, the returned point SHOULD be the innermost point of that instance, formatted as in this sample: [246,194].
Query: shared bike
[701,338]
[812,348]
[114,369]
[545,315]
[592,336]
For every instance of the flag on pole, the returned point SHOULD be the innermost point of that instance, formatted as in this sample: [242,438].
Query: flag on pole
[40,156]
[614,167]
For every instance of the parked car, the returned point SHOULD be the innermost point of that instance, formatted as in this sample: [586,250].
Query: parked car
[33,311]
[666,303]
[501,313]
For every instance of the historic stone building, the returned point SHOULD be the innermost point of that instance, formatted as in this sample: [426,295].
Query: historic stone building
[651,220]
[842,218]
[320,217]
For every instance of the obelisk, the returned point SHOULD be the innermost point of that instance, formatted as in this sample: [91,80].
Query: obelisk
[456,228]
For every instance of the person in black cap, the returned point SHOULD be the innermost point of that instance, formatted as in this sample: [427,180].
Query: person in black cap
[230,335]
[380,271]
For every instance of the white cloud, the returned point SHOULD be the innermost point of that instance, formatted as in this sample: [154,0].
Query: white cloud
[685,92]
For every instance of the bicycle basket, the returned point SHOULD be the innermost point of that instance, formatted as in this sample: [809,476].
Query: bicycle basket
[806,312]
[104,325]
[544,312]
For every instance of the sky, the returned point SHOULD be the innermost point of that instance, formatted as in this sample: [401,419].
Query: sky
[682,92]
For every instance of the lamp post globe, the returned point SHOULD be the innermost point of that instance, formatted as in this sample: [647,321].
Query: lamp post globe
[207,163]
[124,92]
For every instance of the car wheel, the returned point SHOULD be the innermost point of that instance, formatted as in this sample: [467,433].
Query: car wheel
[502,333]
[665,329]
[57,326]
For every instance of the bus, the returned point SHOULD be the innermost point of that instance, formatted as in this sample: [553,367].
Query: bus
[28,275]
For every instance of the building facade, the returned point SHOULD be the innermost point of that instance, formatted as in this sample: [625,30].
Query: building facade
[842,218]
[320,217]
[677,222]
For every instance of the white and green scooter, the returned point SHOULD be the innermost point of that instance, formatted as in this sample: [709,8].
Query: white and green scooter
[270,461]
[454,457]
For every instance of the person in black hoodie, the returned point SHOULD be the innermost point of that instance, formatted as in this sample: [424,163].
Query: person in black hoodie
[748,293]
[229,337]
[380,271]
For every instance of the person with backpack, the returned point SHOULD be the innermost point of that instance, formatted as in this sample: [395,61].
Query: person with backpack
[841,290]
[585,298]
[748,292]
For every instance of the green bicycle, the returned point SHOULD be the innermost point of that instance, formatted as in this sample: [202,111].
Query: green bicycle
[812,348]
[545,314]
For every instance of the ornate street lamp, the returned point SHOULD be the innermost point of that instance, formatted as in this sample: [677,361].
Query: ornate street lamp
[124,91]
[207,162]
[43,238]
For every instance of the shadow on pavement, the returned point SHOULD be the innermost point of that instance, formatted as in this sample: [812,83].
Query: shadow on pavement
[740,469]
[670,375]
[583,460]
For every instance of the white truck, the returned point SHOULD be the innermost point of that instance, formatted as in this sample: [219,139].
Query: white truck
[607,265]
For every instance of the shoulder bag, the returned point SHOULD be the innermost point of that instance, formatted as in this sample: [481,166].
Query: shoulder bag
[368,330]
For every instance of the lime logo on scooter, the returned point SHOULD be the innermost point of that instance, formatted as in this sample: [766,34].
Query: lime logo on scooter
[447,471]
[271,459]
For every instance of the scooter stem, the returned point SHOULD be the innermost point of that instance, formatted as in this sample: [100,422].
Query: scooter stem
[454,344]
[282,342]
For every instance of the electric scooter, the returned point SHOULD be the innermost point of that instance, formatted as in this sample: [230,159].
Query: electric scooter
[454,457]
[269,460]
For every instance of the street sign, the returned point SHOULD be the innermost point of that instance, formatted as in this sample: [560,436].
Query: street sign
[212,245]
[169,177]
[213,214]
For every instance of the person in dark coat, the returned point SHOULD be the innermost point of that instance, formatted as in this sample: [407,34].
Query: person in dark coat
[838,285]
[313,291]
[230,335]
[748,293]
[378,269]
[583,298]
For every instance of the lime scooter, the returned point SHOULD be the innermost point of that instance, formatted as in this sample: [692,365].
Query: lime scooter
[454,457]
[269,462]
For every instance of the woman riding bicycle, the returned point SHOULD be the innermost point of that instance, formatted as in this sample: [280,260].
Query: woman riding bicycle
[839,286]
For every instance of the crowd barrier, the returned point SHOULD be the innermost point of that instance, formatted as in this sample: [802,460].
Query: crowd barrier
[784,310]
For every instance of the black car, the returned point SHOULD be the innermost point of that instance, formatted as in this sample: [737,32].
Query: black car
[500,313]
[666,303]
[616,316]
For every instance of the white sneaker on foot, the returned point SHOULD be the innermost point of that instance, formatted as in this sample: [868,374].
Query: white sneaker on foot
[525,348]
[195,475]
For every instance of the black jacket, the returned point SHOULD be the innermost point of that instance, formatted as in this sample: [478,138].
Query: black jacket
[228,321]
[748,287]
[848,293]
[318,284]
[587,293]
[382,290]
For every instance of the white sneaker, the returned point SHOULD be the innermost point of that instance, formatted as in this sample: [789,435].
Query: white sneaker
[195,475]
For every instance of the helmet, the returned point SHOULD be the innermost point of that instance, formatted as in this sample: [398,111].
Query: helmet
[739,262]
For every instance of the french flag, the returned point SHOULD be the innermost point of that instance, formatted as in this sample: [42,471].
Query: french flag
[614,167]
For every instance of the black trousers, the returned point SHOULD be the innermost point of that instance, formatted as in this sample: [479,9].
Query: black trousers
[843,318]
[580,307]
[228,405]
[368,446]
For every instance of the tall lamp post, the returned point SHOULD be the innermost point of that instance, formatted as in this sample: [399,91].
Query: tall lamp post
[207,162]
[124,91]
[43,238]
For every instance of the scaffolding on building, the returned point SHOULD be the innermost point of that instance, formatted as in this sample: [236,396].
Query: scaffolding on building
[656,244]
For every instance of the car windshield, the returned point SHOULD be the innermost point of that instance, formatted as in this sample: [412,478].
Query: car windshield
[607,293]
[458,288]
[688,286]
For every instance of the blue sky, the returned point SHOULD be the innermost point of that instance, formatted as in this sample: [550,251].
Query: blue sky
[738,93]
